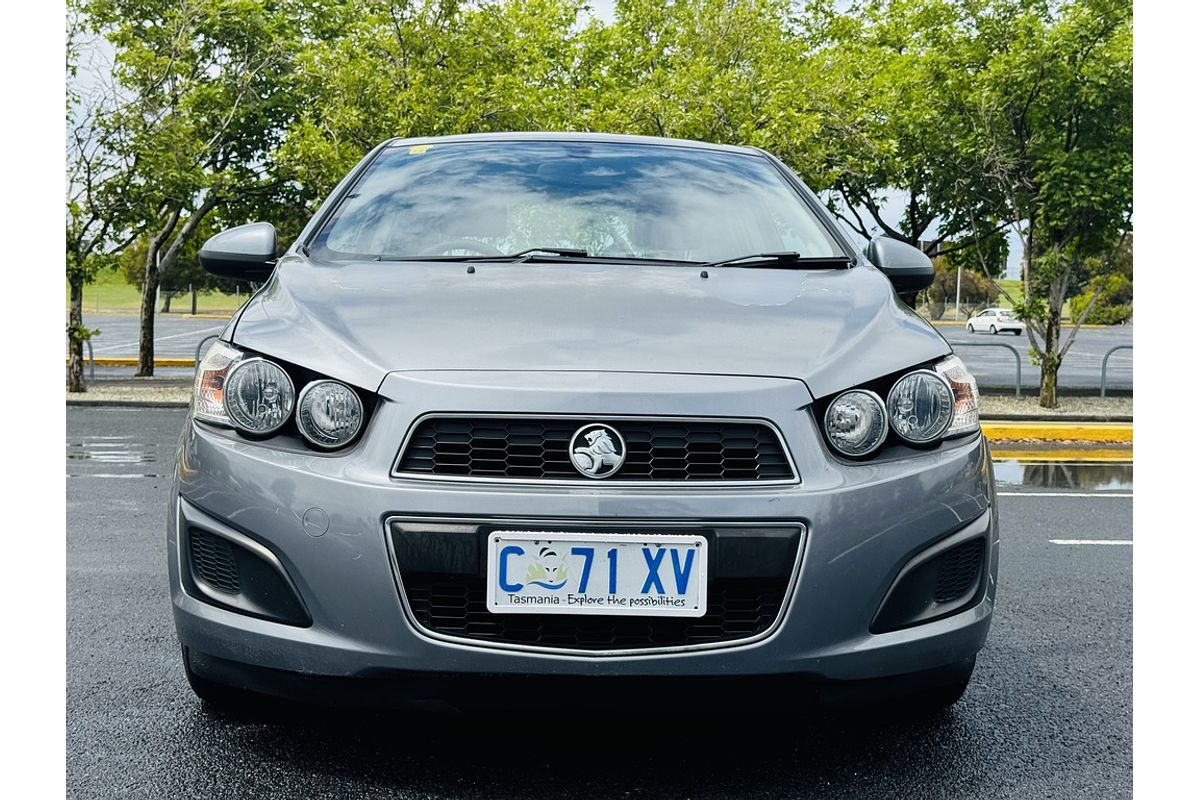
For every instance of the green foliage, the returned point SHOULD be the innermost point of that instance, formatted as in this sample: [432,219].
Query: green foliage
[1112,307]
[976,290]
[984,115]
[987,256]
[79,332]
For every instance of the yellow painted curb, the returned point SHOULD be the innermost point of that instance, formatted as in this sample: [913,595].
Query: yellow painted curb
[1071,456]
[208,316]
[129,361]
[1060,431]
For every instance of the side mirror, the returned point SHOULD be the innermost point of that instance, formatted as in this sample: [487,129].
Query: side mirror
[246,252]
[909,269]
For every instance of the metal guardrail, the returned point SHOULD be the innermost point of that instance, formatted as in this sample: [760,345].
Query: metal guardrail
[200,346]
[1016,355]
[1104,366]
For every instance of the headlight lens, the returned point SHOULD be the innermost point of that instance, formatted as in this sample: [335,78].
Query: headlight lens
[966,396]
[856,422]
[329,414]
[258,396]
[209,389]
[920,406]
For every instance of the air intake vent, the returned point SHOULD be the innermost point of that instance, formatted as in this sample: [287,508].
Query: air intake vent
[213,561]
[538,449]
[456,606]
[957,571]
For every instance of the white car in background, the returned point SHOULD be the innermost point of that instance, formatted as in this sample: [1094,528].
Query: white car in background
[995,320]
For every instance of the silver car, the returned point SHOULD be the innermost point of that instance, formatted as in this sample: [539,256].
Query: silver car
[515,410]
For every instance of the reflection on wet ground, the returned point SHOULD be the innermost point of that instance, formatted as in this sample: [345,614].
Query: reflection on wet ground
[1106,477]
[97,456]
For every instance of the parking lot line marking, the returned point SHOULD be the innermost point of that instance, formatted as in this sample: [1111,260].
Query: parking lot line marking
[1091,541]
[158,339]
[1065,494]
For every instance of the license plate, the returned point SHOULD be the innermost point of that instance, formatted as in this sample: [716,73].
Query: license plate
[607,574]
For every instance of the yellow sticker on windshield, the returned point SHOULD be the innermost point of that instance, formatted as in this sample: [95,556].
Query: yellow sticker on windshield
[417,149]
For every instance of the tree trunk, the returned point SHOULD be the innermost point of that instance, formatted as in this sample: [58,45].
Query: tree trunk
[1051,360]
[150,279]
[75,381]
[155,268]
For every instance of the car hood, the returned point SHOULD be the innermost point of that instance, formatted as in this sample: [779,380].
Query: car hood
[357,322]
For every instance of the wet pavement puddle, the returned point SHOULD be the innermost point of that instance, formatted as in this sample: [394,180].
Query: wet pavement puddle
[1100,477]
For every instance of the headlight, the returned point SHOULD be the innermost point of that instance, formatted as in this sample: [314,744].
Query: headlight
[209,388]
[329,414]
[920,406]
[856,422]
[258,396]
[966,396]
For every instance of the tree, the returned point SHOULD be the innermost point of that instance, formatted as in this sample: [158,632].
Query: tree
[1054,124]
[186,274]
[426,68]
[97,180]
[974,289]
[895,114]
[206,85]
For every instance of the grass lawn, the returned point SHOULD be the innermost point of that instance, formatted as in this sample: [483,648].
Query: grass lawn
[1013,287]
[110,294]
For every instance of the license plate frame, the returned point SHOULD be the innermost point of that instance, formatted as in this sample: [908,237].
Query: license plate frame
[659,562]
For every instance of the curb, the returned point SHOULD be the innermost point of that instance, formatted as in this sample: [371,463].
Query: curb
[130,361]
[1074,419]
[1060,455]
[111,402]
[1058,431]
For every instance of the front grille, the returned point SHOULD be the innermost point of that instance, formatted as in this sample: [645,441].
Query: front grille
[455,605]
[958,570]
[539,449]
[213,561]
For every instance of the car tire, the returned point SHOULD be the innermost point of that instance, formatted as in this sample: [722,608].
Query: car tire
[992,330]
[217,695]
[970,328]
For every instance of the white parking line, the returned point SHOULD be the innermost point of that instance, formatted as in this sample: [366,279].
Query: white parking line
[1091,541]
[1065,494]
[159,338]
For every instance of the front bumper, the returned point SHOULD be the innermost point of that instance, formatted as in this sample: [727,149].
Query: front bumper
[323,517]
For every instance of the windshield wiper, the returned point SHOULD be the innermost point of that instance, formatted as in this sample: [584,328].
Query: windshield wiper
[786,259]
[565,252]
[524,255]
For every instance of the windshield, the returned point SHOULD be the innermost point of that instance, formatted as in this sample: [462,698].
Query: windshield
[608,199]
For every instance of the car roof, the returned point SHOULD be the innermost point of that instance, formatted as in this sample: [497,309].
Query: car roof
[549,136]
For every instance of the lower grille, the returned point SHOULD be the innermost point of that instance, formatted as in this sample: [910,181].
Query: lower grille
[213,561]
[957,571]
[456,606]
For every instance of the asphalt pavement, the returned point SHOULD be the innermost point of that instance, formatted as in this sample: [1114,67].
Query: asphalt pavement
[177,335]
[996,367]
[1047,715]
